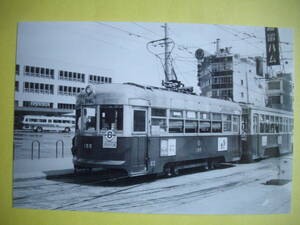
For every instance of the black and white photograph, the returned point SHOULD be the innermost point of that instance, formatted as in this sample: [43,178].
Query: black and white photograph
[154,118]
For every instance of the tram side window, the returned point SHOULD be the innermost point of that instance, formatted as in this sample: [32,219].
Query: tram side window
[216,126]
[139,120]
[176,113]
[191,126]
[255,123]
[235,124]
[204,116]
[205,127]
[175,126]
[89,119]
[262,124]
[111,117]
[227,123]
[78,116]
[158,120]
[159,112]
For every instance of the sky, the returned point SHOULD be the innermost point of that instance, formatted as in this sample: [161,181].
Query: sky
[119,49]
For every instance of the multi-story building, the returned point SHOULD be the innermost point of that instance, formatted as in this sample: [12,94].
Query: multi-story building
[280,92]
[232,77]
[49,90]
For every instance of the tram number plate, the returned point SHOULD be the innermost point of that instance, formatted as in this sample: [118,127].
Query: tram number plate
[109,140]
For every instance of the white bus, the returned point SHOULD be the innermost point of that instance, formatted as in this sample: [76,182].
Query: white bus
[48,123]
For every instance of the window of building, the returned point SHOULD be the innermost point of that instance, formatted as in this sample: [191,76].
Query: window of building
[274,99]
[66,106]
[16,85]
[39,88]
[274,85]
[39,72]
[68,90]
[242,94]
[71,76]
[17,69]
[242,82]
[37,104]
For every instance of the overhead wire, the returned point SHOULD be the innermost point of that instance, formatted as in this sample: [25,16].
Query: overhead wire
[147,29]
[125,31]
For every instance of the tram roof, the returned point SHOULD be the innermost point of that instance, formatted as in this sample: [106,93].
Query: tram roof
[265,110]
[133,94]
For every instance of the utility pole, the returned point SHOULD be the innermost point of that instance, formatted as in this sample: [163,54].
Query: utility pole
[167,54]
[247,86]
[217,46]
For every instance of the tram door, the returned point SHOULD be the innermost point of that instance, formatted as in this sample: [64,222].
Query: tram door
[139,132]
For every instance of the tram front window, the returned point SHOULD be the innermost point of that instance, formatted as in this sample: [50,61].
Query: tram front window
[89,119]
[111,117]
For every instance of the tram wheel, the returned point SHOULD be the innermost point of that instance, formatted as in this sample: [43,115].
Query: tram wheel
[175,171]
[67,129]
[167,172]
[39,129]
[76,169]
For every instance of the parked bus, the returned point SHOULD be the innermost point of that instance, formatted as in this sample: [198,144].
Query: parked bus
[48,123]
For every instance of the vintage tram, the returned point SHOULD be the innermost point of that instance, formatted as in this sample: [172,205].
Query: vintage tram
[266,132]
[150,130]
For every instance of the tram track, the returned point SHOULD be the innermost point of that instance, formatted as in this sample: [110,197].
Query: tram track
[128,195]
[114,196]
[168,201]
[61,187]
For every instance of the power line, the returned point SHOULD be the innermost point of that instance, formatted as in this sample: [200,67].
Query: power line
[146,29]
[236,35]
[124,31]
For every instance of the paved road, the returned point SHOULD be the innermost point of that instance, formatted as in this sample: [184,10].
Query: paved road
[234,190]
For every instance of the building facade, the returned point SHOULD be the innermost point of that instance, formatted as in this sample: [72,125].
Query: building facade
[280,92]
[232,77]
[49,90]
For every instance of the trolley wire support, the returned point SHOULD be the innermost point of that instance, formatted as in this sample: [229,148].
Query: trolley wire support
[39,149]
[62,148]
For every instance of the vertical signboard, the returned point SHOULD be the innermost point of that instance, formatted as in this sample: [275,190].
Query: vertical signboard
[272,46]
[222,144]
[168,147]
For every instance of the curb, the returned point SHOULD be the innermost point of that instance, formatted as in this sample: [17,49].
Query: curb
[42,175]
